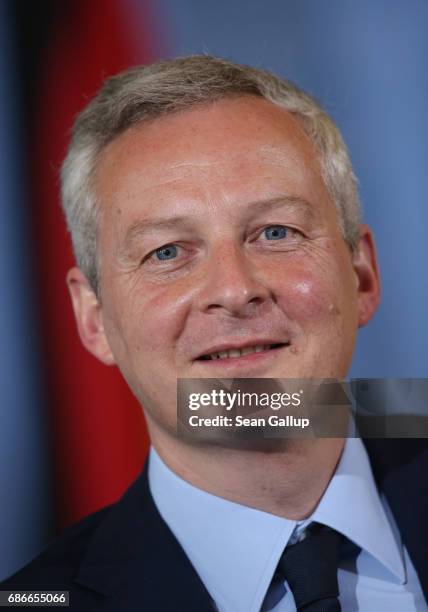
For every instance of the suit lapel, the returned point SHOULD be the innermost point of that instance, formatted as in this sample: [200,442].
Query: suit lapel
[134,557]
[400,467]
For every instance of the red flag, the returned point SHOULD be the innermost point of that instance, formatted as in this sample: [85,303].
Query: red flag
[99,439]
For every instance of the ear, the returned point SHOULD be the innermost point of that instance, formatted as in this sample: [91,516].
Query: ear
[88,314]
[367,274]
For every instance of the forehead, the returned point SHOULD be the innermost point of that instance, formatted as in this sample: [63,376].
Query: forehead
[233,151]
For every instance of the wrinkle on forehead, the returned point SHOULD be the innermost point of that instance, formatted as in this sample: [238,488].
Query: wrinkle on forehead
[266,156]
[152,173]
[274,155]
[210,158]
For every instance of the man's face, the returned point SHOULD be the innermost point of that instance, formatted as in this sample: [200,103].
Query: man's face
[221,254]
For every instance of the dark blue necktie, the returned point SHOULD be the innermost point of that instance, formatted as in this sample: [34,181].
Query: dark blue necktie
[310,568]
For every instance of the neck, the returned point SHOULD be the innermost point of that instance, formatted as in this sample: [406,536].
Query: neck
[287,481]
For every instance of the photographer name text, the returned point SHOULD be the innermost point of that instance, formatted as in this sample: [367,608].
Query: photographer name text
[241,421]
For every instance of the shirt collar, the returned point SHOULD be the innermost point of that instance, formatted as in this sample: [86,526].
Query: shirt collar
[351,505]
[235,549]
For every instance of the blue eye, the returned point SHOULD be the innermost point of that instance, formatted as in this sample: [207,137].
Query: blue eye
[275,232]
[166,252]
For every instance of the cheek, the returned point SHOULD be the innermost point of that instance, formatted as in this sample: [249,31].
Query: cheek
[160,318]
[308,297]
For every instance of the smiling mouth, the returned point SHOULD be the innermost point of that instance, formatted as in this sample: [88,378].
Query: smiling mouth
[236,353]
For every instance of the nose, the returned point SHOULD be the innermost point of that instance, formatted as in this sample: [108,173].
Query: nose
[233,285]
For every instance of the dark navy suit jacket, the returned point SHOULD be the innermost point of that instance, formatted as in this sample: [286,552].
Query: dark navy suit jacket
[125,558]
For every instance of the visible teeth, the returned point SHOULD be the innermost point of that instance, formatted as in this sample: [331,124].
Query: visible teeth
[232,353]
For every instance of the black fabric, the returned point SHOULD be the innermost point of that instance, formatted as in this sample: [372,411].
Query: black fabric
[310,568]
[122,558]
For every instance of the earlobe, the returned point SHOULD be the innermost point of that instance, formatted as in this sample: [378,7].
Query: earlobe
[89,318]
[367,276]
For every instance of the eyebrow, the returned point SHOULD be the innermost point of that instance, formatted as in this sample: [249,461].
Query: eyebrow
[296,203]
[142,227]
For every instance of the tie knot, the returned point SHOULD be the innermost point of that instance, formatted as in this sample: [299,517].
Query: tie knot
[310,568]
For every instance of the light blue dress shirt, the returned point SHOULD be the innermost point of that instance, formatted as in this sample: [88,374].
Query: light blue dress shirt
[235,549]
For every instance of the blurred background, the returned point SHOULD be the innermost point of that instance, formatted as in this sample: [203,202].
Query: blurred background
[71,436]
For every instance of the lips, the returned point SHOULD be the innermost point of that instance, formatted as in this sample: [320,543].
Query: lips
[236,352]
